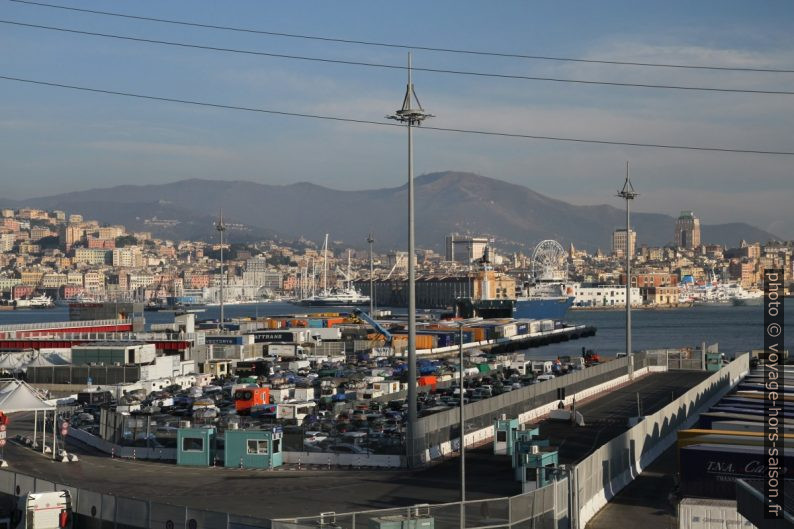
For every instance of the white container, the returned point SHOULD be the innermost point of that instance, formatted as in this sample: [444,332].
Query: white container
[701,513]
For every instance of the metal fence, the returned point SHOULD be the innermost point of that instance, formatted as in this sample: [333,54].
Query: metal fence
[676,358]
[544,508]
[94,510]
[439,428]
[599,477]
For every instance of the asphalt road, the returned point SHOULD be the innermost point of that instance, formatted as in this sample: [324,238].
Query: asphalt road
[607,416]
[647,500]
[284,493]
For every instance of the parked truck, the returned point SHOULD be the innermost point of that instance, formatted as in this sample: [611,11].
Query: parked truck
[41,510]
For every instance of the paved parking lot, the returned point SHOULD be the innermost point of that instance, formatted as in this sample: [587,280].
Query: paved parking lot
[282,493]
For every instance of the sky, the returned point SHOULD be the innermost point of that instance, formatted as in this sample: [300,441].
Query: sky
[55,140]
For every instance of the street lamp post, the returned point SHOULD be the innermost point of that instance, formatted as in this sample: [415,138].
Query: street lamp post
[370,240]
[462,432]
[221,227]
[628,194]
[411,116]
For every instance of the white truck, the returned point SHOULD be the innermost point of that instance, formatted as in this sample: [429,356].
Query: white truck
[286,350]
[41,510]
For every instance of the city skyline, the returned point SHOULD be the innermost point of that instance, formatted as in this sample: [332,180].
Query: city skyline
[64,141]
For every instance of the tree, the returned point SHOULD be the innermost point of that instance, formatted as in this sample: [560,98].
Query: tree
[126,240]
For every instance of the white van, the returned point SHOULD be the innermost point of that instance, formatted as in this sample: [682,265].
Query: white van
[541,378]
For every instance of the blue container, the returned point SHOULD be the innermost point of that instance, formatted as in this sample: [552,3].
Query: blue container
[522,328]
[316,323]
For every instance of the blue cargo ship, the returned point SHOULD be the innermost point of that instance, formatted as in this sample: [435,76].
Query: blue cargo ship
[534,308]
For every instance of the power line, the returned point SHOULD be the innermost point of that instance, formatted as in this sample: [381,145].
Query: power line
[407,46]
[388,124]
[397,67]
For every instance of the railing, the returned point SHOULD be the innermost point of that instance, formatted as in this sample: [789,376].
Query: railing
[544,508]
[95,510]
[599,477]
[61,324]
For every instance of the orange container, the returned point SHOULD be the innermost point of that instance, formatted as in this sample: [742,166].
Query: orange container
[425,341]
[478,333]
[334,321]
[428,380]
[247,398]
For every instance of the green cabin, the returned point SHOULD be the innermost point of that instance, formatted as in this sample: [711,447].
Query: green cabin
[253,449]
[195,447]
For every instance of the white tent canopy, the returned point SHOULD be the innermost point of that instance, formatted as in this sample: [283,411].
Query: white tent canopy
[16,395]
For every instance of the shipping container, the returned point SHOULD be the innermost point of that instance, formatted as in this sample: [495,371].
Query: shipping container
[522,328]
[223,339]
[710,470]
[546,325]
[284,335]
[701,513]
[506,330]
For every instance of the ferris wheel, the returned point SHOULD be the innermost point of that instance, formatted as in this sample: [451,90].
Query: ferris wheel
[549,261]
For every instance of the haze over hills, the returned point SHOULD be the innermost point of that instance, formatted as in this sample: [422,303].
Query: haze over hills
[446,202]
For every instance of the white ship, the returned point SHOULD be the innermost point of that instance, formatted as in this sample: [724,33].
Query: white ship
[35,302]
[335,297]
[718,293]
[82,297]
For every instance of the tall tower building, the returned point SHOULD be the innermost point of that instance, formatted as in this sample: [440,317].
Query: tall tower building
[464,249]
[620,241]
[687,230]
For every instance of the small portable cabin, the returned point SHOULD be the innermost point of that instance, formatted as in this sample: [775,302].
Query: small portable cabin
[504,433]
[195,447]
[253,448]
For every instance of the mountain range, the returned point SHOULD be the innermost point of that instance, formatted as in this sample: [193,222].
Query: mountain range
[446,202]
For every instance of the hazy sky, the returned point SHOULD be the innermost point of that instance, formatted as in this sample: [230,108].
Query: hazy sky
[55,140]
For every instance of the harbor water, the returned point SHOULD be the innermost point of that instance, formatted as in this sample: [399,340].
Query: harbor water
[736,329]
